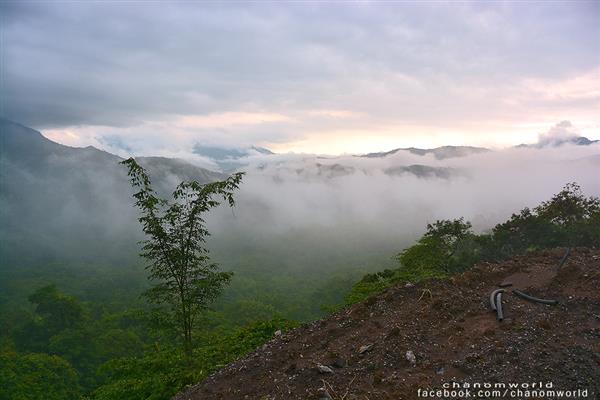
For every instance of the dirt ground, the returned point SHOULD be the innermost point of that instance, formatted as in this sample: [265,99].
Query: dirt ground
[449,328]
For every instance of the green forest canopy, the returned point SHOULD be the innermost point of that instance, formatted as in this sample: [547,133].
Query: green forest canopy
[63,348]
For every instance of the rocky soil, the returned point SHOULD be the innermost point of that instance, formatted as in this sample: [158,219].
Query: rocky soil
[436,332]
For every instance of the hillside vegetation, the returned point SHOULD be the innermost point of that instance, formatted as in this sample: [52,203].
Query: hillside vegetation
[64,348]
[450,246]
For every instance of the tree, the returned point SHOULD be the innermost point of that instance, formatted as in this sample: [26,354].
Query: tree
[54,313]
[524,231]
[567,219]
[37,376]
[58,310]
[575,215]
[185,279]
[568,207]
[443,249]
[449,246]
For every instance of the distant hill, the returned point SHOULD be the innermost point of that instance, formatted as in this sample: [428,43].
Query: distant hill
[60,202]
[26,147]
[229,159]
[322,171]
[422,171]
[578,141]
[167,172]
[439,153]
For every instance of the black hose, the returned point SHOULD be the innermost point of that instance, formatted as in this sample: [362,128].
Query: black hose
[564,259]
[534,299]
[493,298]
[499,312]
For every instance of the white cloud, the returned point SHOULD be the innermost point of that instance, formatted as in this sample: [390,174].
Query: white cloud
[560,132]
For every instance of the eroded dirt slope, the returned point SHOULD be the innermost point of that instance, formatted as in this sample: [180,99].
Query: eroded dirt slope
[450,329]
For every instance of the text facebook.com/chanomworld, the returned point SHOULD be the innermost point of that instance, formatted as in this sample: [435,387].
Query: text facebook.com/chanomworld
[501,390]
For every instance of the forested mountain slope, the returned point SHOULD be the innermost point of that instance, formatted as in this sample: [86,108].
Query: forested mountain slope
[64,203]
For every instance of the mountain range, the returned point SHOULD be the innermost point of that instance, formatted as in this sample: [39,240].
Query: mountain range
[57,199]
[439,153]
[575,140]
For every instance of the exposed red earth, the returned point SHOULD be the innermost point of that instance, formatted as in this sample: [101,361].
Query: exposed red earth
[426,335]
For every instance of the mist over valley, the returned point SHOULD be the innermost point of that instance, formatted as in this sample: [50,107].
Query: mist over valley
[314,221]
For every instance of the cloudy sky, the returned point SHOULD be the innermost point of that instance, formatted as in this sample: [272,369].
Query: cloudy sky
[159,78]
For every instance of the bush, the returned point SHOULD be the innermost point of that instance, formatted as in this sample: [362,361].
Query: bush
[449,246]
[37,376]
[162,372]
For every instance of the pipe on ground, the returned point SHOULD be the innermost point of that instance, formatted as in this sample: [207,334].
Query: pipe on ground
[534,299]
[499,312]
[493,298]
[564,259]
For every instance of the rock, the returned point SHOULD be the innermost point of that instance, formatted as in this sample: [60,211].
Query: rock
[291,369]
[410,356]
[322,394]
[365,348]
[395,331]
[278,333]
[339,362]
[324,369]
[409,285]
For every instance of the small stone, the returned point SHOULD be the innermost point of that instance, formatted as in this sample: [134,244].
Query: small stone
[410,356]
[278,333]
[339,362]
[323,394]
[365,348]
[324,369]
[395,331]
[409,285]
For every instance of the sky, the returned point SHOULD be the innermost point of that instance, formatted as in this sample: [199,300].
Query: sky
[309,77]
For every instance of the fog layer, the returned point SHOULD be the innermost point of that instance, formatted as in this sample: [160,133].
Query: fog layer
[310,221]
